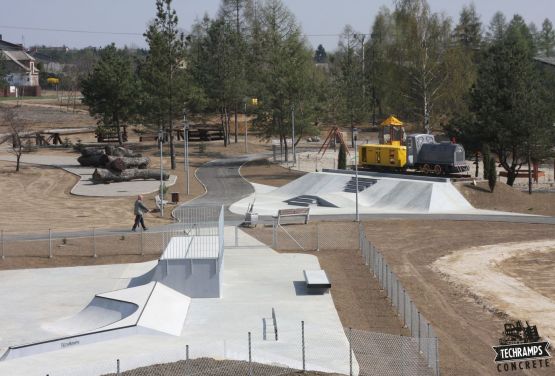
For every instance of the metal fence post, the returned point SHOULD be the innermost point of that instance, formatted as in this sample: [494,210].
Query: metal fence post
[94,242]
[428,343]
[303,346]
[317,236]
[274,237]
[410,316]
[350,353]
[141,245]
[437,356]
[418,330]
[49,243]
[237,236]
[117,367]
[250,355]
[186,352]
[2,243]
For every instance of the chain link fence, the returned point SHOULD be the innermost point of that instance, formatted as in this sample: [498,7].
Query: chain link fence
[93,243]
[350,235]
[308,350]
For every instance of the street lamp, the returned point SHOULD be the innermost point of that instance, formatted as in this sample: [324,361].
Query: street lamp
[161,141]
[293,134]
[254,102]
[356,175]
[186,152]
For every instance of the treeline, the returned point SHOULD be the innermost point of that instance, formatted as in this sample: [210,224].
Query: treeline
[478,83]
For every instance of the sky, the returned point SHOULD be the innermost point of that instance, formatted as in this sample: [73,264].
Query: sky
[126,20]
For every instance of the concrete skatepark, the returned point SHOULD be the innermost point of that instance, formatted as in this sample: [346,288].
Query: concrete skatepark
[52,324]
[333,193]
[125,311]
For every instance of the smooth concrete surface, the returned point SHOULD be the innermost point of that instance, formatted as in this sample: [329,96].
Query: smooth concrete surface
[256,280]
[85,186]
[391,195]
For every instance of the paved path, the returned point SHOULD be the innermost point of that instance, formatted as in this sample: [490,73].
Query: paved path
[224,184]
[85,186]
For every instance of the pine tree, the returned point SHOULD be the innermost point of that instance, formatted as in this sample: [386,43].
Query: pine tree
[546,38]
[492,173]
[342,158]
[110,90]
[486,156]
[163,75]
[320,55]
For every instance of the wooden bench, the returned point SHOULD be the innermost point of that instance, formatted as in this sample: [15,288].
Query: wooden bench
[317,281]
[300,212]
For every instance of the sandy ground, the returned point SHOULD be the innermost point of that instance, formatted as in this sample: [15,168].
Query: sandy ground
[477,269]
[534,269]
[38,197]
[506,198]
[264,172]
[467,328]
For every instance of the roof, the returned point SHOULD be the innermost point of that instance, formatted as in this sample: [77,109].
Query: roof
[545,60]
[392,120]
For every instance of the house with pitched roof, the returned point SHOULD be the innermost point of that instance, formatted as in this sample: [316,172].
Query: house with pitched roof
[22,74]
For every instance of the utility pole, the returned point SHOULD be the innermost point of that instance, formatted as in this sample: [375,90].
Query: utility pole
[293,133]
[186,145]
[246,129]
[161,141]
[373,37]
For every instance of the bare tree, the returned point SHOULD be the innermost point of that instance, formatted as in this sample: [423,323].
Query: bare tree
[17,129]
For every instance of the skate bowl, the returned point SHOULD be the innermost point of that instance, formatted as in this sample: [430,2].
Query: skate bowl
[335,193]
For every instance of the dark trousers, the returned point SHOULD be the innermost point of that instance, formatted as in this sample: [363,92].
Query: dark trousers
[139,219]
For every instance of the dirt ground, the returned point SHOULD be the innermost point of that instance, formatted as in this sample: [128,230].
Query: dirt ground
[479,270]
[38,197]
[466,328]
[265,172]
[506,198]
[534,269]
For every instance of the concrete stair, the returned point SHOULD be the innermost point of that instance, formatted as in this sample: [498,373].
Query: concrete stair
[363,183]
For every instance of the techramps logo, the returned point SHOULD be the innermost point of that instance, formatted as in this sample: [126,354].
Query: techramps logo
[521,348]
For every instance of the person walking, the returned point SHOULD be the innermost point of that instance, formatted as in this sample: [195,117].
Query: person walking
[139,210]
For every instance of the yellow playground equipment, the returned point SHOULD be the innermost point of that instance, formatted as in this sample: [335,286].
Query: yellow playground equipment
[391,152]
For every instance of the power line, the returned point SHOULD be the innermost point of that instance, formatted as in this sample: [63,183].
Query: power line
[127,33]
[69,30]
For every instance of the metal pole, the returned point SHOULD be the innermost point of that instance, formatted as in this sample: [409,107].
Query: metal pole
[237,236]
[356,181]
[94,242]
[117,365]
[303,346]
[186,145]
[350,353]
[186,352]
[2,242]
[161,195]
[141,243]
[293,133]
[49,243]
[246,131]
[250,355]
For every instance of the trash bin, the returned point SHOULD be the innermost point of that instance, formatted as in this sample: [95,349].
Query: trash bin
[175,197]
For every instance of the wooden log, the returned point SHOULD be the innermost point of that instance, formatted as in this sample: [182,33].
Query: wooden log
[130,162]
[117,165]
[89,152]
[92,160]
[118,151]
[101,175]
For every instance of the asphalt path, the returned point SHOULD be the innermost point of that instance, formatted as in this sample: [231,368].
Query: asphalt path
[223,183]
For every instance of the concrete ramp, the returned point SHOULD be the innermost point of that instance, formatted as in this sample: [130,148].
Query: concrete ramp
[388,193]
[148,309]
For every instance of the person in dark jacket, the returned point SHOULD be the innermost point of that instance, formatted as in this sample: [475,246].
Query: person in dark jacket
[139,210]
